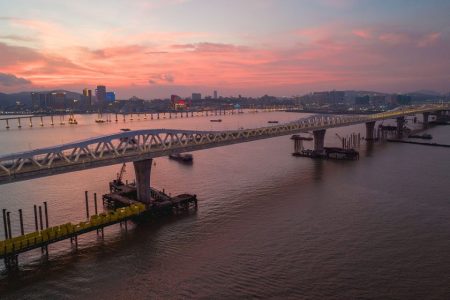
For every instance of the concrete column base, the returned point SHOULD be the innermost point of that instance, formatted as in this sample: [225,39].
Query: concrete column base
[142,170]
[400,124]
[370,129]
[426,116]
[319,140]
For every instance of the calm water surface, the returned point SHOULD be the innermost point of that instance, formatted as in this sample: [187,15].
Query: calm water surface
[269,225]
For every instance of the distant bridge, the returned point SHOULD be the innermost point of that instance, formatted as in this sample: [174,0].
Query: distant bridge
[140,145]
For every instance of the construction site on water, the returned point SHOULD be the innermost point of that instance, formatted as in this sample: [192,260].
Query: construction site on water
[347,152]
[120,206]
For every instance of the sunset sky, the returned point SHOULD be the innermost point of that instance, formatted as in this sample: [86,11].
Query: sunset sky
[251,47]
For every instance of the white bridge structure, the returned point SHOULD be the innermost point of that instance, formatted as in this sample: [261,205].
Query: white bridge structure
[141,145]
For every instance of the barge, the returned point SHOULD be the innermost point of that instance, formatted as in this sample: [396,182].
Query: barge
[329,153]
[182,157]
[124,194]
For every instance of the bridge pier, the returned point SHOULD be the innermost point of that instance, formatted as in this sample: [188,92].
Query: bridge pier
[370,126]
[142,170]
[400,125]
[426,116]
[319,140]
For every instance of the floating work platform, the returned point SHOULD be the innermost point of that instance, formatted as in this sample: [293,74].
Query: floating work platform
[126,194]
[329,153]
[123,206]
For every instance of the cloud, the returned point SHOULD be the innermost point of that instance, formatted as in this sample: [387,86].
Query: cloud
[162,78]
[208,47]
[330,56]
[13,55]
[429,39]
[17,38]
[12,80]
[362,33]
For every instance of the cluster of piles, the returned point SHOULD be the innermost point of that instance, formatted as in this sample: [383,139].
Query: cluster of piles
[66,230]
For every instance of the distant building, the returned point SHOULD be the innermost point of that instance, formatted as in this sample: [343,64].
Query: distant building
[215,94]
[362,100]
[100,93]
[87,98]
[403,99]
[35,103]
[196,96]
[110,97]
[59,100]
[177,103]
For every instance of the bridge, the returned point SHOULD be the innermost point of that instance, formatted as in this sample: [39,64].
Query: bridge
[141,146]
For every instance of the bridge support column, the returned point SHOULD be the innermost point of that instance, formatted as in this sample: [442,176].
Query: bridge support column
[370,126]
[426,115]
[400,126]
[142,170]
[319,140]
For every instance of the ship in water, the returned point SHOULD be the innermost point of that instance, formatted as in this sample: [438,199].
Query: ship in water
[100,118]
[424,136]
[72,120]
[182,157]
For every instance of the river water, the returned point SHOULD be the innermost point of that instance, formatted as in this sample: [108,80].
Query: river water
[269,225]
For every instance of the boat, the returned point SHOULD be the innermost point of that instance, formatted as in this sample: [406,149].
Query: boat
[100,118]
[424,136]
[299,137]
[272,122]
[216,120]
[182,157]
[72,120]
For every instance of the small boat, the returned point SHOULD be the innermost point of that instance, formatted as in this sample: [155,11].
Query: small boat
[424,136]
[182,157]
[299,137]
[272,122]
[72,120]
[216,120]
[100,118]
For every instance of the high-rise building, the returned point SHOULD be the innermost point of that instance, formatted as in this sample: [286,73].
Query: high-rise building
[110,97]
[59,100]
[35,103]
[100,93]
[215,94]
[196,96]
[86,101]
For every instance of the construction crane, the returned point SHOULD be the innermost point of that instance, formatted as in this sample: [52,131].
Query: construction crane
[120,174]
[342,141]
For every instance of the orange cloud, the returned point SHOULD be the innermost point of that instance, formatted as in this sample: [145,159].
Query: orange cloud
[330,56]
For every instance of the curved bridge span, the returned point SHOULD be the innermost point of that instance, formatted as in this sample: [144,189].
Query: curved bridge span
[146,144]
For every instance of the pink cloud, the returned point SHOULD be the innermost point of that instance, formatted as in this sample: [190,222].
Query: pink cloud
[362,33]
[429,40]
[393,38]
[329,56]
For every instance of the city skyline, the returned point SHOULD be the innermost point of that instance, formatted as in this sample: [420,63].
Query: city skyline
[153,49]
